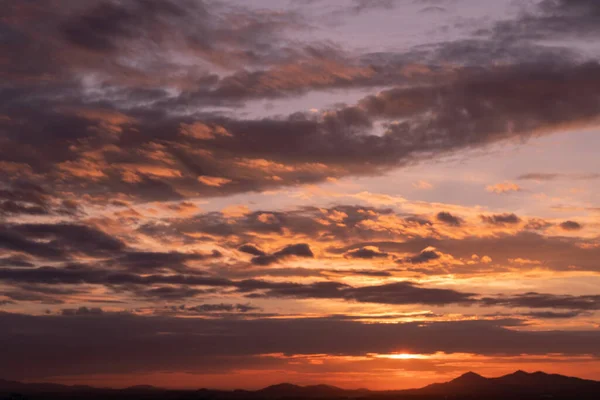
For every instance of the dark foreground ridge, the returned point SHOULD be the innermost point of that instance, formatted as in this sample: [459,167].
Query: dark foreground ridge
[519,385]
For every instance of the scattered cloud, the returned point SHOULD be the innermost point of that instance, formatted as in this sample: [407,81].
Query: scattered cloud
[502,188]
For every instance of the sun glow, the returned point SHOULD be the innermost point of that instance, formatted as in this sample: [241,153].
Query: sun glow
[403,356]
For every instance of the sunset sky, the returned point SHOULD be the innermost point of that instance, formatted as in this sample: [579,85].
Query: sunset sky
[238,193]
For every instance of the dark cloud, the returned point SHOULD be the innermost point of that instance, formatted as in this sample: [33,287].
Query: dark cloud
[571,226]
[449,219]
[501,219]
[156,261]
[543,176]
[58,240]
[32,344]
[251,249]
[554,252]
[540,300]
[403,292]
[360,6]
[81,311]
[35,243]
[102,27]
[265,260]
[164,293]
[79,274]
[434,10]
[245,155]
[361,230]
[421,258]
[83,37]
[366,253]
[211,308]
[560,18]
[303,221]
[298,250]
[173,287]
[393,293]
[16,261]
[25,198]
[364,272]
[554,315]
[537,224]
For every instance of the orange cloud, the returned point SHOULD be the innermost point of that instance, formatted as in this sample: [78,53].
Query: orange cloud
[505,187]
[213,181]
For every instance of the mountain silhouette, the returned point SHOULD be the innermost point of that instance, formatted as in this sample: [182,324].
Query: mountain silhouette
[466,383]
[314,391]
[519,383]
[14,386]
[516,386]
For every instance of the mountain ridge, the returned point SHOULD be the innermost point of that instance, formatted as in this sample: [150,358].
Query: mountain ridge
[519,383]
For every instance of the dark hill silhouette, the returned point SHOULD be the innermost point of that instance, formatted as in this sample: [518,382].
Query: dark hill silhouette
[14,386]
[466,383]
[519,383]
[515,386]
[314,391]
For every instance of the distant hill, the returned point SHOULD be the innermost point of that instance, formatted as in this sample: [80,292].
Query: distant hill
[19,387]
[519,383]
[315,391]
[515,386]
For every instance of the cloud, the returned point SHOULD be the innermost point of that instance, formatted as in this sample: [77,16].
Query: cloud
[571,226]
[392,293]
[501,219]
[157,162]
[367,253]
[156,261]
[554,315]
[449,219]
[81,311]
[251,249]
[540,300]
[423,185]
[360,6]
[26,198]
[178,286]
[55,241]
[298,250]
[16,261]
[556,253]
[212,308]
[203,344]
[544,176]
[505,187]
[552,19]
[166,293]
[428,254]
[214,181]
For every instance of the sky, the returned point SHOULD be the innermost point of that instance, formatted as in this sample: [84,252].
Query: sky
[234,194]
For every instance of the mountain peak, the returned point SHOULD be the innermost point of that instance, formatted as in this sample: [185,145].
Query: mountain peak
[282,386]
[519,376]
[469,377]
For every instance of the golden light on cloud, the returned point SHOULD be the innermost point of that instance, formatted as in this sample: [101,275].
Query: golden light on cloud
[213,181]
[504,187]
[403,356]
